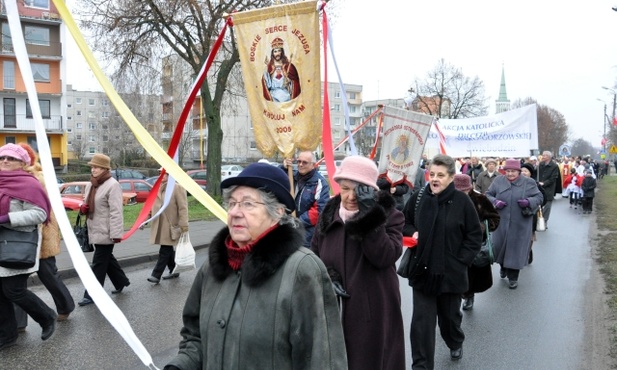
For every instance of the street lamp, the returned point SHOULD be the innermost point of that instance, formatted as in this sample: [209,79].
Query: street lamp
[605,118]
[614,104]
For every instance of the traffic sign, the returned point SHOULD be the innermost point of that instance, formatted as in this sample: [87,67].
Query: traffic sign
[613,149]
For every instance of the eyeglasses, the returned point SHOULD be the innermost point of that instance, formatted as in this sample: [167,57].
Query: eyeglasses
[10,159]
[302,163]
[246,205]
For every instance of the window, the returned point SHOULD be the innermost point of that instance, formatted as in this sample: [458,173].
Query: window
[69,142]
[77,100]
[105,102]
[69,105]
[105,138]
[105,127]
[8,78]
[91,126]
[352,95]
[45,108]
[253,145]
[78,137]
[10,140]
[337,107]
[36,35]
[78,113]
[105,114]
[43,4]
[69,117]
[69,130]
[91,138]
[91,150]
[40,72]
[79,125]
[352,109]
[91,114]
[91,102]
[141,187]
[337,121]
[337,94]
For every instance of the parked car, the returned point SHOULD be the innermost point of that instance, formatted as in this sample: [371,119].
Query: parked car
[76,190]
[151,180]
[199,176]
[230,170]
[60,181]
[323,171]
[126,173]
[71,204]
[140,187]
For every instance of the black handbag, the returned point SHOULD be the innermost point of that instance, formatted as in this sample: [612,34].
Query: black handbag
[485,257]
[408,260]
[81,233]
[18,248]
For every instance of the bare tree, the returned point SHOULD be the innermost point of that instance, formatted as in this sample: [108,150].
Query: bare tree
[131,33]
[553,131]
[79,148]
[582,147]
[447,93]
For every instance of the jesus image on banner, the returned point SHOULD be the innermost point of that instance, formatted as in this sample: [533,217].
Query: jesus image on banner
[400,154]
[280,81]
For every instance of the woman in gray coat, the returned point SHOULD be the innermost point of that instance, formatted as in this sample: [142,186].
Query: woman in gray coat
[260,300]
[516,198]
[103,206]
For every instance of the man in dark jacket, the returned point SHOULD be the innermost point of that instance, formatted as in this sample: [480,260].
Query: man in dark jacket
[548,175]
[474,169]
[312,193]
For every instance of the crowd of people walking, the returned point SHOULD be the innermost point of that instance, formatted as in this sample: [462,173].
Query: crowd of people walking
[317,288]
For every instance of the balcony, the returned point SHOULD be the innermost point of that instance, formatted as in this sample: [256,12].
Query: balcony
[51,51]
[20,123]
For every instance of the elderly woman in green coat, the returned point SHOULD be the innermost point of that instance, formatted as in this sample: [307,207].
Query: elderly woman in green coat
[260,300]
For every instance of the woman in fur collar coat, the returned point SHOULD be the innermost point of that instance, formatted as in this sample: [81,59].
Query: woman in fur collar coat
[261,300]
[359,236]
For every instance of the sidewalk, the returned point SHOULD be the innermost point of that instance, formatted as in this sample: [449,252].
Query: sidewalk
[137,248]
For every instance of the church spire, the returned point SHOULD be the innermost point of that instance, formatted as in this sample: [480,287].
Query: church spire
[502,104]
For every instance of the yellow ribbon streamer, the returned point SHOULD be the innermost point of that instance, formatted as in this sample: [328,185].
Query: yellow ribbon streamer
[142,135]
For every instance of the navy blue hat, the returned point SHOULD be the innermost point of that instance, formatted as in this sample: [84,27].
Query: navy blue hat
[262,175]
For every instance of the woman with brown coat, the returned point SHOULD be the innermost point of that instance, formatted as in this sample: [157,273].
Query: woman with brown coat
[166,229]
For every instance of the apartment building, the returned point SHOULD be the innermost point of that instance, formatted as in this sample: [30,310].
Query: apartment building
[94,125]
[41,26]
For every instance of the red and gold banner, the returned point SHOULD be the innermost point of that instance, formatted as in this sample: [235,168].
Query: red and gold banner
[279,54]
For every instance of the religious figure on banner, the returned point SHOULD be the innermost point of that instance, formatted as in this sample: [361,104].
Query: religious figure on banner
[400,154]
[280,81]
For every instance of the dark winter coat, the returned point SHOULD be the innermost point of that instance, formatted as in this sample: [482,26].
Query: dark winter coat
[474,171]
[461,236]
[278,312]
[364,251]
[485,180]
[511,240]
[401,190]
[481,278]
[589,187]
[549,176]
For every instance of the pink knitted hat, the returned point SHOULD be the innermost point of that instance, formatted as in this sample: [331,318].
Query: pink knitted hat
[512,164]
[15,151]
[462,182]
[359,169]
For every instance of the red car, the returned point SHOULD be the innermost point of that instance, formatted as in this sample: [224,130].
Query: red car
[199,176]
[76,190]
[140,187]
[71,204]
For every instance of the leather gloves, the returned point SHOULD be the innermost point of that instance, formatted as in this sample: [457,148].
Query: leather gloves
[83,208]
[184,229]
[500,204]
[523,203]
[4,219]
[117,240]
[365,196]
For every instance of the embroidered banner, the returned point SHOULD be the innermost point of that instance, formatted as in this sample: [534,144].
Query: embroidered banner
[510,134]
[279,54]
[404,137]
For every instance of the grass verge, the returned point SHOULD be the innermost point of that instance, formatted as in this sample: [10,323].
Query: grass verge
[605,207]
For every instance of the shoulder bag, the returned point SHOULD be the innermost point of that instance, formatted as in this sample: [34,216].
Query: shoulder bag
[485,257]
[408,257]
[81,233]
[18,248]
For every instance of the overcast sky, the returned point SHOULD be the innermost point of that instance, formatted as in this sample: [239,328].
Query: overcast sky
[557,52]
[560,53]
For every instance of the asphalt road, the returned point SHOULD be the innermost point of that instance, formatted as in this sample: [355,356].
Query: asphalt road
[540,325]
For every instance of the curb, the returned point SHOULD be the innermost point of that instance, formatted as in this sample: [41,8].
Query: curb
[124,263]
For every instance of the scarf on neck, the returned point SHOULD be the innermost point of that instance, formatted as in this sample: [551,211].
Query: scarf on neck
[346,214]
[12,185]
[236,254]
[431,241]
[96,182]
[302,179]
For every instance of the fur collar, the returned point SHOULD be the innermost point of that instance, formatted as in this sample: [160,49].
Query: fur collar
[264,260]
[362,223]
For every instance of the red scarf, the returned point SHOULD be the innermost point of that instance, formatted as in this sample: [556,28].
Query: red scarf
[237,254]
[12,185]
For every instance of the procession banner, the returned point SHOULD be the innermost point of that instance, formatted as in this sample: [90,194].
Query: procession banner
[404,137]
[279,54]
[510,134]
